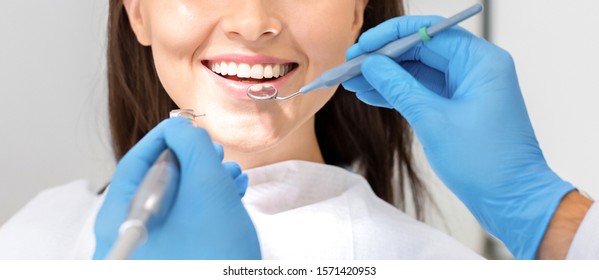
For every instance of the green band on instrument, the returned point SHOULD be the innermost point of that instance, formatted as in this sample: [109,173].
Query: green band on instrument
[423,34]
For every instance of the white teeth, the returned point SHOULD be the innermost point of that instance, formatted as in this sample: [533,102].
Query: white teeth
[232,71]
[244,70]
[257,72]
[268,71]
[223,68]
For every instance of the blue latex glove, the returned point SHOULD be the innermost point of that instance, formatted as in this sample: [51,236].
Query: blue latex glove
[461,96]
[207,219]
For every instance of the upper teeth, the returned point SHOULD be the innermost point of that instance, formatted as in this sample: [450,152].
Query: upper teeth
[256,71]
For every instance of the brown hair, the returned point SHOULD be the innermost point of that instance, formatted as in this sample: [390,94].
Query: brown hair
[376,140]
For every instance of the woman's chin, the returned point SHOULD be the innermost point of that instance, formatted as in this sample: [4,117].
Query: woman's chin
[243,142]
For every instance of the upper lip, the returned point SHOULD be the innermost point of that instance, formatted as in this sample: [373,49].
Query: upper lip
[249,59]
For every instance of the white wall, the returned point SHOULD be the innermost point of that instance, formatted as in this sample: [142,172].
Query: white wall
[53,97]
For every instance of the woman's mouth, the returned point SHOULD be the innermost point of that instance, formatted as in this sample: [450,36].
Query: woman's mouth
[236,73]
[250,73]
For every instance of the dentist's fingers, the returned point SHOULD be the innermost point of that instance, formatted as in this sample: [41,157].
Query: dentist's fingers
[242,182]
[232,168]
[219,150]
[389,31]
[357,84]
[373,98]
[398,87]
[241,179]
[394,29]
[203,176]
[452,46]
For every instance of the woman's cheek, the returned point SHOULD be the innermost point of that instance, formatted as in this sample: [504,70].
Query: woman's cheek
[326,45]
[326,56]
[174,49]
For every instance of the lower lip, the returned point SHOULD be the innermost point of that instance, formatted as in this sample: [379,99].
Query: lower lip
[239,89]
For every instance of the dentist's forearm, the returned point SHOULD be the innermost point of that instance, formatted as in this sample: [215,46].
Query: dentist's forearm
[563,226]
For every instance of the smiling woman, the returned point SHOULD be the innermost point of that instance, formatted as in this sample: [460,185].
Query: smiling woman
[259,34]
[246,39]
[316,164]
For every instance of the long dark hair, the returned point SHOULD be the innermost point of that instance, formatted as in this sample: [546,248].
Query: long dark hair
[377,141]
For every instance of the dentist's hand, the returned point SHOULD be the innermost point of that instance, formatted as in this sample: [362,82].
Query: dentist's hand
[207,219]
[462,98]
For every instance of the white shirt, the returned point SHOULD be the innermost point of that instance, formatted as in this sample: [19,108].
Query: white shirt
[301,210]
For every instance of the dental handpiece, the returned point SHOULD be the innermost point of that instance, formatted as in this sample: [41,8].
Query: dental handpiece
[352,68]
[150,204]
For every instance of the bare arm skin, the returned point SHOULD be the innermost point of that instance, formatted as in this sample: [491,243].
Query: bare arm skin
[563,226]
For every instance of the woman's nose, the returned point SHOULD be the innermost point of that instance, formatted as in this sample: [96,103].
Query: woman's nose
[251,20]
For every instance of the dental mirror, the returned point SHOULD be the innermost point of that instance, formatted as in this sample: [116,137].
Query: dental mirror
[262,92]
[266,92]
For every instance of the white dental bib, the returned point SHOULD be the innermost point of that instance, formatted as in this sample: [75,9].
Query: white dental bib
[305,210]
[301,210]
